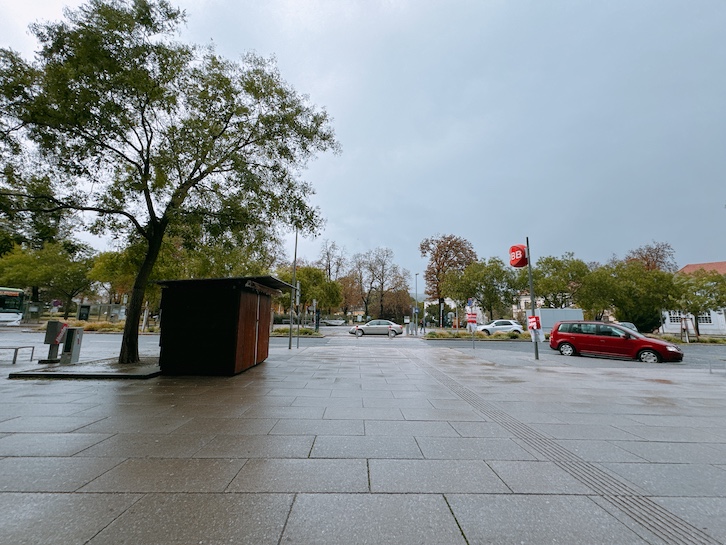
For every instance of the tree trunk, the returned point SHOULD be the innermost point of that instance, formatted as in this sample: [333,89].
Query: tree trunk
[67,307]
[130,342]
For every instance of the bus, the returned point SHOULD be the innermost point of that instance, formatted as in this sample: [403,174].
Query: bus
[11,306]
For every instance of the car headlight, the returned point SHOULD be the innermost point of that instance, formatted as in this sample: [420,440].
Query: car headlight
[672,348]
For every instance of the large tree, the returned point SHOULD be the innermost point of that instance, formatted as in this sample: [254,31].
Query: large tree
[446,253]
[640,294]
[149,133]
[332,259]
[558,279]
[491,284]
[363,279]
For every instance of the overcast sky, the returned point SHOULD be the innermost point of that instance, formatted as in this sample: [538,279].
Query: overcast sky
[591,127]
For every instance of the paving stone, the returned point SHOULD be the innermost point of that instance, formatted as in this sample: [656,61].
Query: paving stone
[51,474]
[276,475]
[52,519]
[533,520]
[372,519]
[466,448]
[673,479]
[434,476]
[243,519]
[167,475]
[537,478]
[48,444]
[365,447]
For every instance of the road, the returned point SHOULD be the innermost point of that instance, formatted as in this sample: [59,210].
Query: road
[107,345]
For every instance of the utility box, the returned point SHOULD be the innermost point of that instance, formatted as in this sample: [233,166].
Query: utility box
[72,345]
[217,326]
[550,316]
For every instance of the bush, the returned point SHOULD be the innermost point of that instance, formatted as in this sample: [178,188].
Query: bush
[479,336]
[285,332]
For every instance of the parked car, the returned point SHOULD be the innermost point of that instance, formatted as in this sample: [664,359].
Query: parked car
[332,322]
[377,327]
[629,325]
[600,339]
[503,326]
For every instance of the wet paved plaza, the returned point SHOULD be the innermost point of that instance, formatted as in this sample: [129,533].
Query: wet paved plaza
[369,441]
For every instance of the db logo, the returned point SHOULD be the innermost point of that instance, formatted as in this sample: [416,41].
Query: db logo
[518,255]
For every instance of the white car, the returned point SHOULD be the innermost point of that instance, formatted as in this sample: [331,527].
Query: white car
[377,327]
[332,322]
[500,326]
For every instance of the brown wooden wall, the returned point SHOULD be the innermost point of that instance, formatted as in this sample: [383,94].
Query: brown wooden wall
[213,330]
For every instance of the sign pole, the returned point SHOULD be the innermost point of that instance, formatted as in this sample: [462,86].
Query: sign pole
[531,294]
[293,292]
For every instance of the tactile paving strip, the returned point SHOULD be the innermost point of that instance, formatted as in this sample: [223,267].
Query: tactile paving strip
[642,510]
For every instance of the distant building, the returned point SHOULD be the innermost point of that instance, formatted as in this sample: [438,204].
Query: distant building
[709,323]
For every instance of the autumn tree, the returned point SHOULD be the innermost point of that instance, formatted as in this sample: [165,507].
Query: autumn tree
[659,256]
[149,133]
[350,293]
[446,253]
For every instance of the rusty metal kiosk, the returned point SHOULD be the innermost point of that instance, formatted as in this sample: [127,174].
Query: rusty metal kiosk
[216,326]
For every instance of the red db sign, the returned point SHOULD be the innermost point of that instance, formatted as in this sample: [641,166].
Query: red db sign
[533,322]
[518,255]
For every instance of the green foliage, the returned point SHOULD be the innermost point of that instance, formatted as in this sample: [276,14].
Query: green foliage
[641,294]
[157,137]
[60,273]
[490,283]
[314,285]
[700,291]
[558,280]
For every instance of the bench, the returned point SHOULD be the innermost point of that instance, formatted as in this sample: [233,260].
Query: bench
[16,349]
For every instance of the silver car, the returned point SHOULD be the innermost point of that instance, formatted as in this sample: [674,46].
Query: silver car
[377,327]
[500,326]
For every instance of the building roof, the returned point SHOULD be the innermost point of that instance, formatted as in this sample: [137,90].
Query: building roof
[252,282]
[717,266]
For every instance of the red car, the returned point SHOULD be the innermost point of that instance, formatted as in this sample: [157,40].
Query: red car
[600,339]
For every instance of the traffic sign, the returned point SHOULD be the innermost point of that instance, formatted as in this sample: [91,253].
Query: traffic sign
[533,322]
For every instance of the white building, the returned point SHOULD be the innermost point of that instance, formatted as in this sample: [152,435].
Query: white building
[709,323]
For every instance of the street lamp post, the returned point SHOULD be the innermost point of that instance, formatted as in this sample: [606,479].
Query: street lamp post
[293,293]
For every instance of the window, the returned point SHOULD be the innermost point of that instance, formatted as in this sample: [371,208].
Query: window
[610,331]
[589,329]
[674,316]
[704,318]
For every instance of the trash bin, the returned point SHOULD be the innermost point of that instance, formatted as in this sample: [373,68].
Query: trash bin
[55,334]
[84,311]
[72,345]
